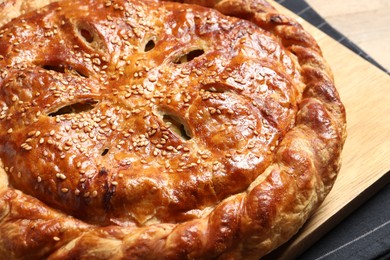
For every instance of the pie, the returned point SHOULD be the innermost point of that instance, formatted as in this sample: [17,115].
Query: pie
[161,130]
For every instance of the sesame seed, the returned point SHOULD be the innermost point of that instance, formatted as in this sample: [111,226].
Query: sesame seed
[61,176]
[26,147]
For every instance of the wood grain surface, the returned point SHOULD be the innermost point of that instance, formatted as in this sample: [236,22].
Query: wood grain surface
[364,90]
[366,23]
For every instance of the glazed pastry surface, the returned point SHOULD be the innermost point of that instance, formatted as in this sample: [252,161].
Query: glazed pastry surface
[156,129]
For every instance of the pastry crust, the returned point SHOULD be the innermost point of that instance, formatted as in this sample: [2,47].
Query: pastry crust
[162,130]
[10,9]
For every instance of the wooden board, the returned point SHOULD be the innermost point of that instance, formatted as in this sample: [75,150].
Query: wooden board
[365,23]
[365,92]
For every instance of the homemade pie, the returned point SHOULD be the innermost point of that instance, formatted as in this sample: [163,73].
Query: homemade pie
[161,130]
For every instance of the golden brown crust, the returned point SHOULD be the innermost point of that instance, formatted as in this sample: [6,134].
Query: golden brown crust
[10,9]
[148,129]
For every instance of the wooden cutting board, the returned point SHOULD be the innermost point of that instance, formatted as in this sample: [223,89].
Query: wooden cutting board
[365,92]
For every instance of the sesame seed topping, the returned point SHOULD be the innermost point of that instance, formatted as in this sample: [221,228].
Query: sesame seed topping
[130,91]
[61,176]
[26,147]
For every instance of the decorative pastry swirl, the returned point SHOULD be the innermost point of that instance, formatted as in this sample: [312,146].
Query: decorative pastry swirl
[161,130]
